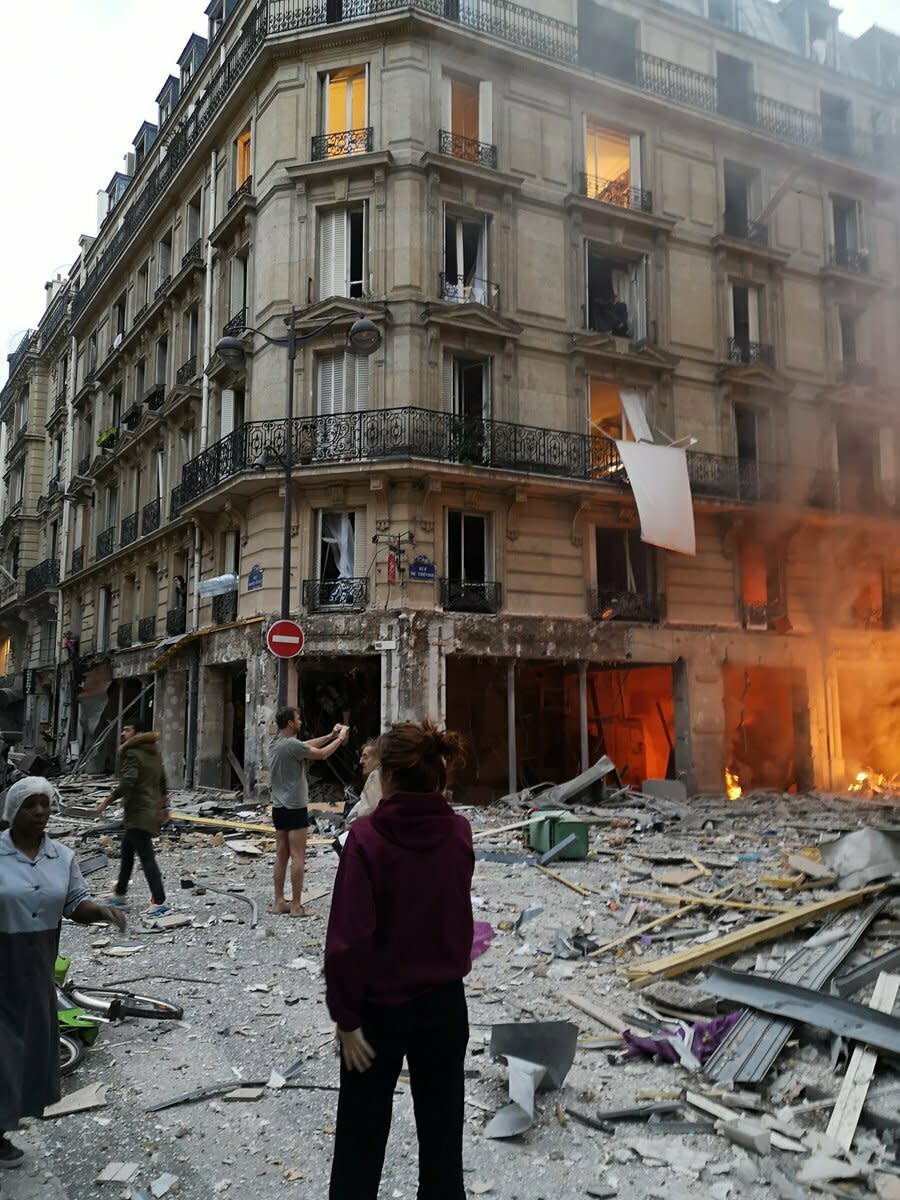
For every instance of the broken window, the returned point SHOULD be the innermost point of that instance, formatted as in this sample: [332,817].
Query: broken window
[836,133]
[616,300]
[466,387]
[845,223]
[468,587]
[343,252]
[342,382]
[465,254]
[734,91]
[741,183]
[752,429]
[615,414]
[820,39]
[743,324]
[242,157]
[607,41]
[342,553]
[345,110]
[762,591]
[612,164]
[626,577]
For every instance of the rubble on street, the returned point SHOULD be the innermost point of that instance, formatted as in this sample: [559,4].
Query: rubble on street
[672,1091]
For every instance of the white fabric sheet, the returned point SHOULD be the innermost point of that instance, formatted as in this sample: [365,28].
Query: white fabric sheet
[634,404]
[662,493]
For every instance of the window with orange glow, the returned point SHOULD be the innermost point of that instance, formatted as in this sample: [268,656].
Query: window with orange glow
[607,164]
[242,167]
[605,411]
[464,109]
[345,100]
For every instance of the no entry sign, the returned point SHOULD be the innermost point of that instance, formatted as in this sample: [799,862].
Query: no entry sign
[285,639]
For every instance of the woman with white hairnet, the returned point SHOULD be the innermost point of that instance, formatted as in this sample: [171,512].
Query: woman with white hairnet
[40,883]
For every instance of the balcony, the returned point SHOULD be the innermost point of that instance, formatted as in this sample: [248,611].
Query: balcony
[106,543]
[246,189]
[465,596]
[193,255]
[60,400]
[464,289]
[755,232]
[132,416]
[224,608]
[147,629]
[186,372]
[56,317]
[723,478]
[123,636]
[84,465]
[740,350]
[129,530]
[156,397]
[855,262]
[454,145]
[25,345]
[762,615]
[150,516]
[77,559]
[326,595]
[175,502]
[176,621]
[45,575]
[606,604]
[236,324]
[163,287]
[617,192]
[341,145]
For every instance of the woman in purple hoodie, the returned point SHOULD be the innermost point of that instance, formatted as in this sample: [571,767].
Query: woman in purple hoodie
[398,947]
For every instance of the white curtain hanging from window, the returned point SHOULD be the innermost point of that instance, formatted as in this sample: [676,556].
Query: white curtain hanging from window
[337,536]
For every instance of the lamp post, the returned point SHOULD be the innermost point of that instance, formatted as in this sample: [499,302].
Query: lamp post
[364,337]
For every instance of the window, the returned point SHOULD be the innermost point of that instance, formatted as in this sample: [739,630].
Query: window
[612,165]
[344,110]
[115,406]
[859,467]
[820,39]
[159,473]
[164,257]
[242,158]
[741,186]
[468,117]
[56,457]
[126,599]
[465,255]
[118,321]
[231,411]
[468,586]
[626,576]
[466,388]
[193,220]
[743,326]
[62,373]
[231,552]
[615,414]
[616,300]
[762,589]
[238,285]
[845,222]
[733,87]
[341,555]
[140,380]
[847,319]
[752,429]
[343,252]
[836,131]
[17,485]
[104,618]
[142,288]
[161,362]
[342,382]
[607,41]
[110,507]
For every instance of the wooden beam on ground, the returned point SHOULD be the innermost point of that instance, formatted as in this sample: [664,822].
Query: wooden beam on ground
[854,1089]
[610,1020]
[642,929]
[686,897]
[738,940]
[576,887]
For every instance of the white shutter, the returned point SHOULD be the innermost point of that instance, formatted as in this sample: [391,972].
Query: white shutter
[637,299]
[447,383]
[753,313]
[635,160]
[232,553]
[160,473]
[360,545]
[731,310]
[330,384]
[485,111]
[356,373]
[226,412]
[333,257]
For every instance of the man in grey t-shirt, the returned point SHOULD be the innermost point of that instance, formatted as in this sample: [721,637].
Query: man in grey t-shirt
[290,796]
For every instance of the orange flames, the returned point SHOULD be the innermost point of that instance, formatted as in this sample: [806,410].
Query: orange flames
[733,788]
[873,783]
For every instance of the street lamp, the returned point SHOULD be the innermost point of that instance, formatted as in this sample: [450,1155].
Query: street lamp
[363,337]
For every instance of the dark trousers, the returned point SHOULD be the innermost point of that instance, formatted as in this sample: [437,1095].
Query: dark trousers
[138,841]
[432,1032]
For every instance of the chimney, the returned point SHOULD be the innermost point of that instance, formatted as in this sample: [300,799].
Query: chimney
[52,287]
[102,207]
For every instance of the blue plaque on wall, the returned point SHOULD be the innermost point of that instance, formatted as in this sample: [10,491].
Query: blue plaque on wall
[255,578]
[421,568]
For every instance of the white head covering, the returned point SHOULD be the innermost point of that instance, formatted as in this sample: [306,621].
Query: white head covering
[31,785]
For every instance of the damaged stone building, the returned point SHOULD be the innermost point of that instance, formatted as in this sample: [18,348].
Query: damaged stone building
[575,225]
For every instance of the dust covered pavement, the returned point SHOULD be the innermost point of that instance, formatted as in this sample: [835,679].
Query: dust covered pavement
[253,1001]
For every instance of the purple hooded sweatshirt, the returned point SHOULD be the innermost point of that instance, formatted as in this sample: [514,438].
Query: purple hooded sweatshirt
[401,913]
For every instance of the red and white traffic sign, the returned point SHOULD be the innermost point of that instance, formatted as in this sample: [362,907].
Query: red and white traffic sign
[285,639]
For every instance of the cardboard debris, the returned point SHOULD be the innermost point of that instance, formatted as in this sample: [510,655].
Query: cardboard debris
[245,1093]
[92,1096]
[117,1172]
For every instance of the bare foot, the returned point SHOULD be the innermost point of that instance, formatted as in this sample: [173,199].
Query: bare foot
[297,910]
[279,907]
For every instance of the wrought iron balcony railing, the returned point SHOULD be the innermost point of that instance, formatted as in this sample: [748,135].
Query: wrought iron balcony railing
[236,324]
[129,530]
[467,149]
[854,261]
[176,621]
[741,350]
[763,614]
[320,595]
[721,477]
[342,145]
[470,596]
[246,189]
[618,192]
[123,636]
[745,230]
[186,372]
[106,542]
[84,465]
[60,400]
[156,397]
[224,608]
[150,515]
[163,287]
[175,502]
[25,345]
[147,629]
[77,559]
[608,604]
[464,289]
[194,254]
[56,316]
[138,313]
[132,416]
[44,575]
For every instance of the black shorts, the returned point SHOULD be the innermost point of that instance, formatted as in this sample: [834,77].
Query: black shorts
[290,818]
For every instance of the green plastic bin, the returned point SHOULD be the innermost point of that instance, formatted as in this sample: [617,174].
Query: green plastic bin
[548,832]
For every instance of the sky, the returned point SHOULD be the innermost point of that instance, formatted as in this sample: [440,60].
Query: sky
[77,78]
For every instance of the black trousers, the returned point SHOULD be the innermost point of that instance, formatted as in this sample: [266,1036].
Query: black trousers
[431,1032]
[138,841]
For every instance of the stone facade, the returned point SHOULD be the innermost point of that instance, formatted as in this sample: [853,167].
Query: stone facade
[539,214]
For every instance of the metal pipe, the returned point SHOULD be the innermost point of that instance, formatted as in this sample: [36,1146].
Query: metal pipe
[208,303]
[511,725]
[283,663]
[582,713]
[190,753]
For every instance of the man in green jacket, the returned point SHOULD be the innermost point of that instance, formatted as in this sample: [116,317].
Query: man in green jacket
[142,788]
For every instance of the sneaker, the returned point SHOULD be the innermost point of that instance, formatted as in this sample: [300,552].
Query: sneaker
[152,911]
[10,1155]
[114,900]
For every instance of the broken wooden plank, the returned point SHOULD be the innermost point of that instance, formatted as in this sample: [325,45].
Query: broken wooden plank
[677,876]
[610,1020]
[642,929]
[687,897]
[852,1096]
[741,939]
[576,887]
